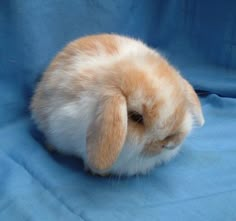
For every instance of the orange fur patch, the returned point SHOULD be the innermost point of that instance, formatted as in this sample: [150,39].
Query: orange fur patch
[94,44]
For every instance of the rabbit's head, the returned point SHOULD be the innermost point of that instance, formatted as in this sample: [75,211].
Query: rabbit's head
[145,109]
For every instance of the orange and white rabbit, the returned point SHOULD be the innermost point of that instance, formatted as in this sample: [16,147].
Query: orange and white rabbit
[115,103]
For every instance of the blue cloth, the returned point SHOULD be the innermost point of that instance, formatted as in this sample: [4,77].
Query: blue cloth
[199,37]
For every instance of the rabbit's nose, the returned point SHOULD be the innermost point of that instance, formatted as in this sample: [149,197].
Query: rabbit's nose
[152,148]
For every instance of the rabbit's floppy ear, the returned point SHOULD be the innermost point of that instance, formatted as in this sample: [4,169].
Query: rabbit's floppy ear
[107,133]
[195,105]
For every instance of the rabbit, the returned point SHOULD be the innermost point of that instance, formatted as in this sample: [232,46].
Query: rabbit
[115,103]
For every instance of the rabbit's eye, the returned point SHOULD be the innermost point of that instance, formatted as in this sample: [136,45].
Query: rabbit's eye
[136,117]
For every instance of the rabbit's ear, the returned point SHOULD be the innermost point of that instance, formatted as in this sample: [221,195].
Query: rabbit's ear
[106,133]
[195,105]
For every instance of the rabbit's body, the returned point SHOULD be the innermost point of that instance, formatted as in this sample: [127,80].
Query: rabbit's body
[115,103]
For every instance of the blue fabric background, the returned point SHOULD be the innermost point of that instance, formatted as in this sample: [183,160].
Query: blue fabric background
[199,37]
